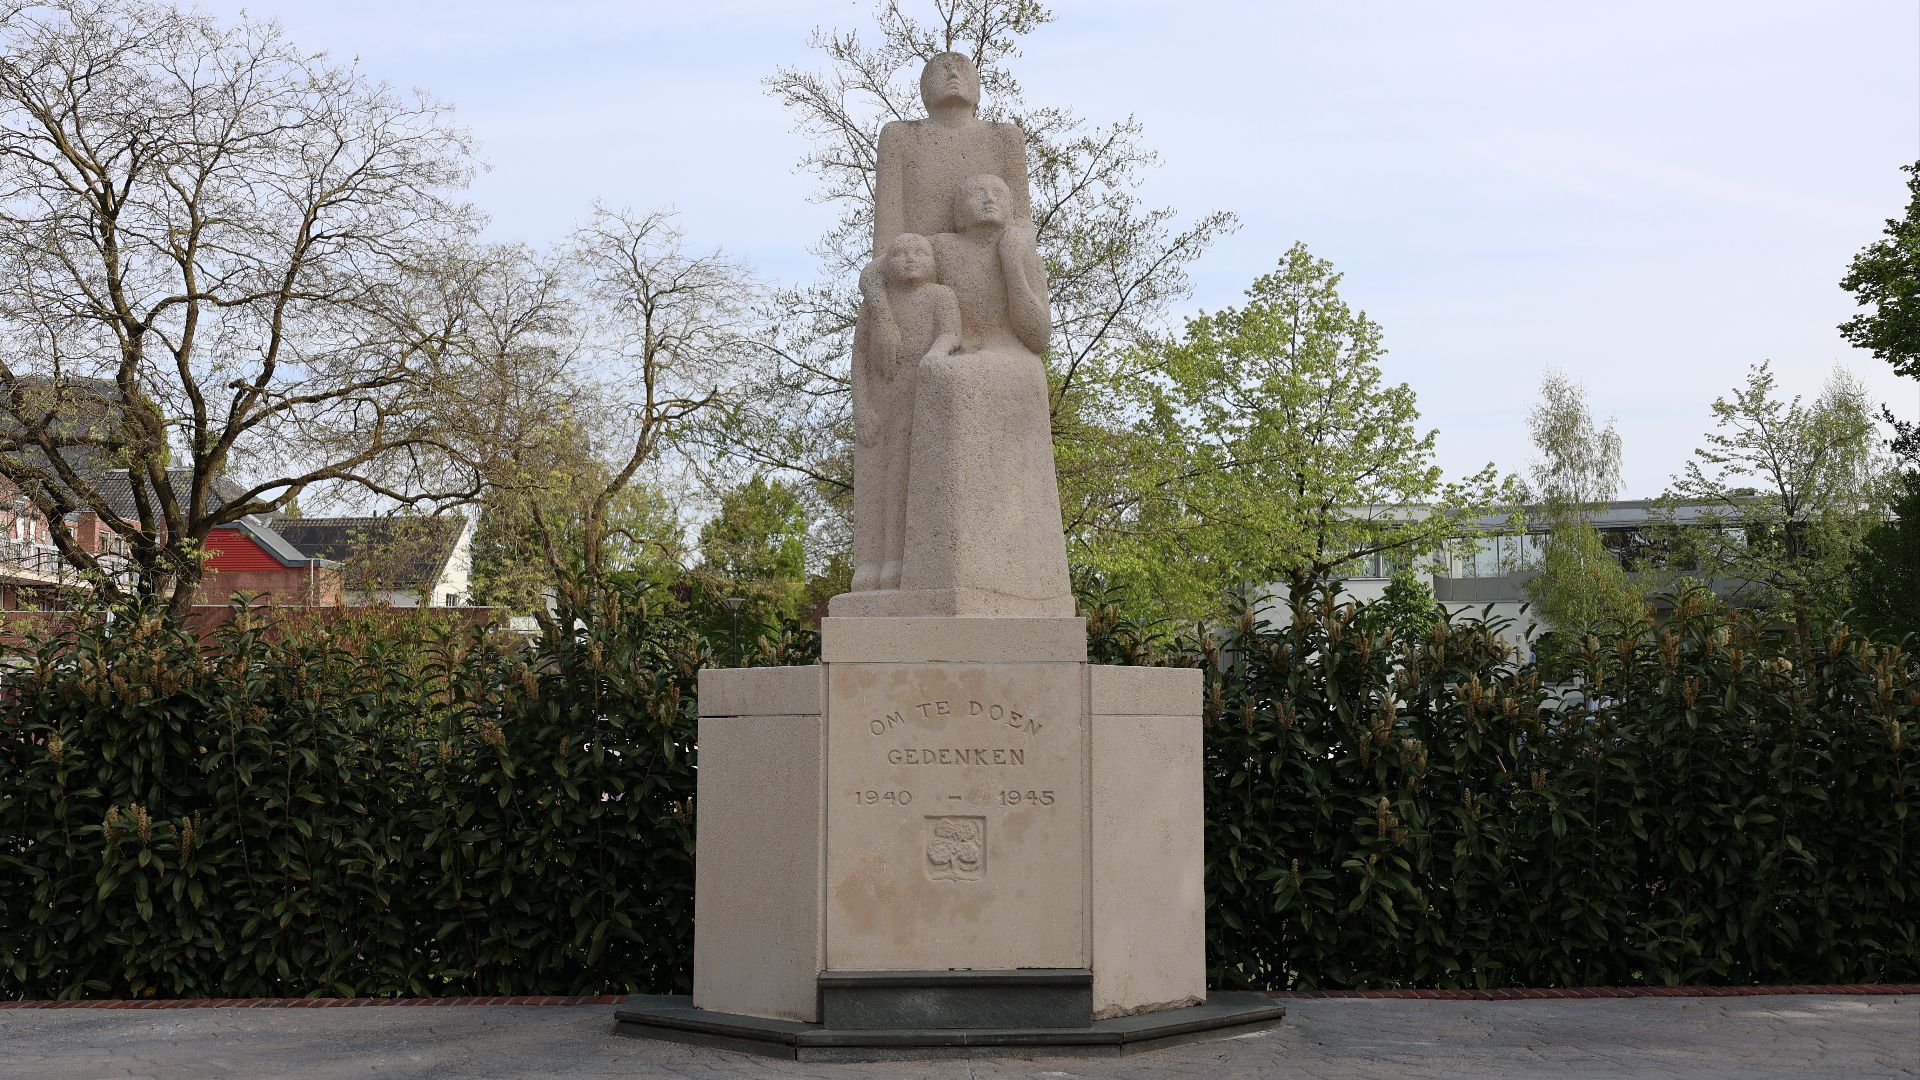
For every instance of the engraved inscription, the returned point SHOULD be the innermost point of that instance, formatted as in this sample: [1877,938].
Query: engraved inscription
[992,712]
[1013,718]
[957,755]
[970,753]
[957,848]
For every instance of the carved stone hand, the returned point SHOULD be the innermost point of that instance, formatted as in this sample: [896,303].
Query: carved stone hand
[873,278]
[1016,243]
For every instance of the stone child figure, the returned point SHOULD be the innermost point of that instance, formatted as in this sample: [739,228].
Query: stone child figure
[905,317]
[920,163]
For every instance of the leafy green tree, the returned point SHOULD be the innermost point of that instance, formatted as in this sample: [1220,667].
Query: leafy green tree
[507,572]
[1886,276]
[1788,493]
[641,540]
[833,577]
[754,548]
[1406,611]
[1280,453]
[1886,580]
[1579,582]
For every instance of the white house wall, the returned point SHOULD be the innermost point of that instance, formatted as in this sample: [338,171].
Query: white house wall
[395,598]
[457,577]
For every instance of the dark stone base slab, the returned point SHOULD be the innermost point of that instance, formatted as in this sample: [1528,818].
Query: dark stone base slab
[923,1000]
[676,1020]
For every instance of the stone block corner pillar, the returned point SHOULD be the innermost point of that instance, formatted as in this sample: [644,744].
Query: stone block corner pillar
[759,843]
[1148,901]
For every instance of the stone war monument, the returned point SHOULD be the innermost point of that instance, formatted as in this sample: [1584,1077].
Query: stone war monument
[954,835]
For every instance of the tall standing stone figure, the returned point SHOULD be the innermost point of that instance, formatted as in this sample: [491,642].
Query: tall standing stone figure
[956,504]
[922,162]
[953,833]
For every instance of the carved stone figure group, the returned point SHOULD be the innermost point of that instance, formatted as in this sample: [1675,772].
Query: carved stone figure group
[956,511]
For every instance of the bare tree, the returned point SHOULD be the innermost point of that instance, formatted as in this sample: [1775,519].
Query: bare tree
[502,378]
[212,245]
[665,340]
[575,390]
[499,368]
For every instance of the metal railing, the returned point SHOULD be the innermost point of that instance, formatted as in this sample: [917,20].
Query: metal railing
[28,563]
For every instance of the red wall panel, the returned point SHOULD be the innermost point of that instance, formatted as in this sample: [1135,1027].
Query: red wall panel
[231,549]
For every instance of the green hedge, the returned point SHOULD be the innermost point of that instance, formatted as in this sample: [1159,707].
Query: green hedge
[1420,813]
[403,807]
[394,808]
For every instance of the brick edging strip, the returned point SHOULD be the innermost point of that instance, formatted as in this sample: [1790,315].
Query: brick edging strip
[1597,992]
[314,1002]
[1506,994]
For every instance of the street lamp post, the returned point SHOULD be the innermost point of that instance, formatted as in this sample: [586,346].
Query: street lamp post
[733,604]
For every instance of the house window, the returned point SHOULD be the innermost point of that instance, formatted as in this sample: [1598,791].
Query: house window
[452,600]
[1629,546]
[1494,556]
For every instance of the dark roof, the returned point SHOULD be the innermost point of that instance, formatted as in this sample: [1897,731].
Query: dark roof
[117,490]
[389,550]
[87,412]
[83,414]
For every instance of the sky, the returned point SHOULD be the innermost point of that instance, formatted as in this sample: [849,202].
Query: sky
[1649,197]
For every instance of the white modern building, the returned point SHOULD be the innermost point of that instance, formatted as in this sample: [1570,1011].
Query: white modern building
[1489,573]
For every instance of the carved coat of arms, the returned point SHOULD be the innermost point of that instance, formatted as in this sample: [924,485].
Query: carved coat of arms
[957,851]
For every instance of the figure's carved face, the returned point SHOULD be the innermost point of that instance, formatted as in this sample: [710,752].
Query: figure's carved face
[950,77]
[982,200]
[910,259]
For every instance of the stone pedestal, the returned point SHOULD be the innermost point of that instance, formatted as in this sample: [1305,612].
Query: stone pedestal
[956,794]
[947,819]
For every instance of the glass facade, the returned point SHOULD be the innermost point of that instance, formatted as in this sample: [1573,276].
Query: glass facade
[1493,556]
[1380,564]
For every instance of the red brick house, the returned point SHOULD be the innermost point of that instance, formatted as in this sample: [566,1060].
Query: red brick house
[250,557]
[34,575]
[282,561]
[244,556]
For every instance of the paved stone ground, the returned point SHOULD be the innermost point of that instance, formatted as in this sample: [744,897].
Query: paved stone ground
[1800,1036]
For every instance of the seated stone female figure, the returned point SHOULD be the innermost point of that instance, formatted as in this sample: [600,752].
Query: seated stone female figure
[983,508]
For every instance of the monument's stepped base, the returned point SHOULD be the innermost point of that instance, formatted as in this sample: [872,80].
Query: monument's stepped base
[948,819]
[674,1019]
